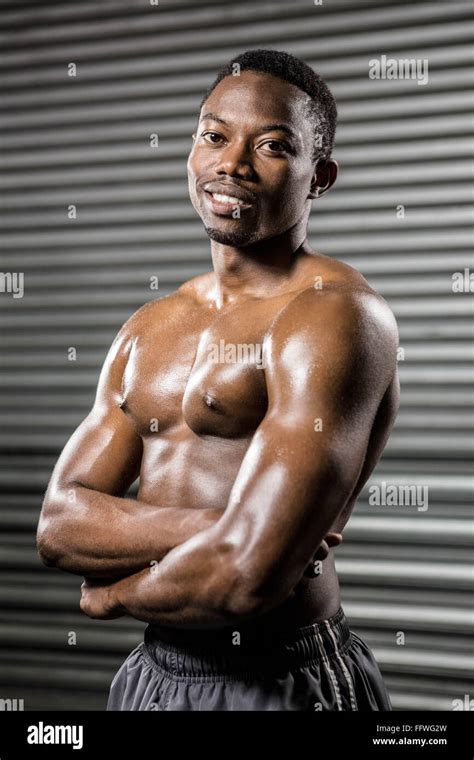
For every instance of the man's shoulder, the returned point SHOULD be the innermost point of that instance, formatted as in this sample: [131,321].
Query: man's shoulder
[330,275]
[338,300]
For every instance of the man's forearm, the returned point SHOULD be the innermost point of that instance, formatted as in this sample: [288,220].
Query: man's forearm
[185,590]
[151,598]
[195,586]
[90,533]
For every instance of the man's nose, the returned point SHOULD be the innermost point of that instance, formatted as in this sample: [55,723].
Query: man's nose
[235,160]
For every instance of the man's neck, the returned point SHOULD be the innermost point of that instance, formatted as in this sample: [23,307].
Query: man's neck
[257,270]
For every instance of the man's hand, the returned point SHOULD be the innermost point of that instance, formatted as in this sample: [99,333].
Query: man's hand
[331,540]
[97,599]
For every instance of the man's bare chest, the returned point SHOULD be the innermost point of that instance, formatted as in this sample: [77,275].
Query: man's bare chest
[202,369]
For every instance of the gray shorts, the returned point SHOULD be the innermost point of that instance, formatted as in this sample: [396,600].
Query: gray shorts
[324,666]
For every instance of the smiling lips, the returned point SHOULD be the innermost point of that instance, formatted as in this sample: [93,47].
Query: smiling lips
[225,205]
[230,199]
[226,196]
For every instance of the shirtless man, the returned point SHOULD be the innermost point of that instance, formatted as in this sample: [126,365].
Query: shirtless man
[250,463]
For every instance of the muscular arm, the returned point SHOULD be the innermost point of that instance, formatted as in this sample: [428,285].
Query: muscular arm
[331,357]
[86,526]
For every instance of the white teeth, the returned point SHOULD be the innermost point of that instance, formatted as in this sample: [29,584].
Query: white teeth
[227,199]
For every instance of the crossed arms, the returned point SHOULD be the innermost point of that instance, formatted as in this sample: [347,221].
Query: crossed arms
[329,357]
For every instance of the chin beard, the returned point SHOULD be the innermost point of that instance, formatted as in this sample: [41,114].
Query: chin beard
[239,239]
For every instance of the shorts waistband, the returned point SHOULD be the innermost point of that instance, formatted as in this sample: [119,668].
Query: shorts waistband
[221,655]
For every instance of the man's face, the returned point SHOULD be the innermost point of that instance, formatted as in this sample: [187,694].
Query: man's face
[254,143]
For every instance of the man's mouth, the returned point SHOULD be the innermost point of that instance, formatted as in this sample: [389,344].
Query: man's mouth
[224,204]
[228,199]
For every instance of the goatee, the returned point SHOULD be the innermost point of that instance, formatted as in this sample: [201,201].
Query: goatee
[239,239]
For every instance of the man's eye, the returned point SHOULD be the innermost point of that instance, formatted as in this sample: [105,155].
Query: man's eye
[211,135]
[278,146]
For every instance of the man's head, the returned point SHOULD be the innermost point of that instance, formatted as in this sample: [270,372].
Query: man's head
[265,135]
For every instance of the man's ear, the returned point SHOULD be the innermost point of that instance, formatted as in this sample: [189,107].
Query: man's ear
[325,174]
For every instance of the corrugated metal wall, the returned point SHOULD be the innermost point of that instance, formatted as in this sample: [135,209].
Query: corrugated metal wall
[85,141]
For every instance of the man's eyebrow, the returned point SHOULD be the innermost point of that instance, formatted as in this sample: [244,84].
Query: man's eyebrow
[214,118]
[277,127]
[264,128]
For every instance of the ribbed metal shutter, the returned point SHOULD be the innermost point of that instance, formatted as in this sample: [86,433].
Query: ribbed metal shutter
[85,141]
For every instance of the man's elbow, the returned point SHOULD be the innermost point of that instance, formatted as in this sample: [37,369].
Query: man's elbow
[52,533]
[241,603]
[45,552]
[47,544]
[243,594]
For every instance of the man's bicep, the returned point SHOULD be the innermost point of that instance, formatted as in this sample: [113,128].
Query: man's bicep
[324,387]
[104,453]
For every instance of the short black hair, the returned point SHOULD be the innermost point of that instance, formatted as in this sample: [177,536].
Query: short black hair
[321,107]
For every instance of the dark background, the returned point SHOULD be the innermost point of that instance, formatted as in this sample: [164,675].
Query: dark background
[84,140]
